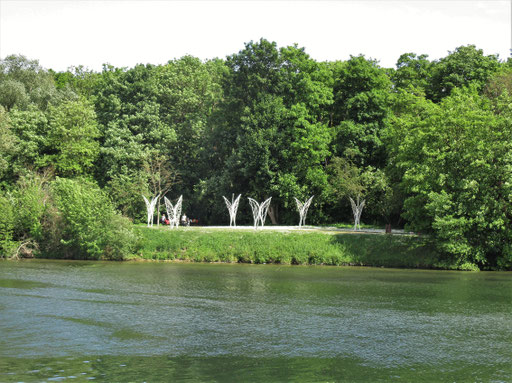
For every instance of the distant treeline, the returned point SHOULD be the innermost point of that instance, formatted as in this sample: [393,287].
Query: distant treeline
[427,145]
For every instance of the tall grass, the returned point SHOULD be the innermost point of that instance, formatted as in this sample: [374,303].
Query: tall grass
[302,248]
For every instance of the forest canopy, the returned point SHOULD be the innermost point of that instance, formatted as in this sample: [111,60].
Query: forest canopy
[427,145]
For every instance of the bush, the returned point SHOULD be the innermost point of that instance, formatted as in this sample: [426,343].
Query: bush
[91,228]
[6,225]
[30,202]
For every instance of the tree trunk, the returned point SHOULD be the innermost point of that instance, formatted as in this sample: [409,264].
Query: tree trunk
[273,214]
[158,213]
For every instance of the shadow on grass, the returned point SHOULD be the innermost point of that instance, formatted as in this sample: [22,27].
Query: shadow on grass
[388,250]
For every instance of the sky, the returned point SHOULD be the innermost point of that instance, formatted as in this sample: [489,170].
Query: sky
[64,33]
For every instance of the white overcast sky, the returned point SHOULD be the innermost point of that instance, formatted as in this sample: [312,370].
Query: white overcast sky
[62,33]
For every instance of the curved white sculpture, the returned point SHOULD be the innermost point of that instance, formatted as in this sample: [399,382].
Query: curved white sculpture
[150,206]
[357,210]
[173,211]
[259,212]
[232,208]
[303,209]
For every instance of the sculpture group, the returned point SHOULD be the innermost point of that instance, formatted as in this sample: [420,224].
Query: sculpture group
[259,211]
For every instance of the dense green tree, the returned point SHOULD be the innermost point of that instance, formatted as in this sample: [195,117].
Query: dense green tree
[272,136]
[30,128]
[126,192]
[413,73]
[360,111]
[500,84]
[8,143]
[24,81]
[71,144]
[457,173]
[188,90]
[159,111]
[466,65]
[78,79]
[129,120]
[369,184]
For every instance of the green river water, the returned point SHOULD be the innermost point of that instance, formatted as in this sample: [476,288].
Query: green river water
[165,322]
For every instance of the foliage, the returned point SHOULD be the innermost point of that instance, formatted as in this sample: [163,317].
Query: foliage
[369,184]
[413,73]
[71,139]
[360,110]
[30,204]
[456,163]
[24,82]
[6,224]
[92,229]
[126,190]
[8,143]
[271,133]
[266,121]
[462,67]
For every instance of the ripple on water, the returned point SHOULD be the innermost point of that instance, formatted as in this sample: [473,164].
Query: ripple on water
[162,322]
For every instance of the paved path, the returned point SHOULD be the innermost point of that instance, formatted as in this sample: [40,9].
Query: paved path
[326,229]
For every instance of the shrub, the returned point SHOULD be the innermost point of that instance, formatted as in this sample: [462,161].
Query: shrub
[6,225]
[91,228]
[30,200]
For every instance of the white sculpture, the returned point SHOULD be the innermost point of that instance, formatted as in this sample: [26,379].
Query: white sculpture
[357,210]
[173,211]
[232,208]
[303,209]
[259,212]
[150,206]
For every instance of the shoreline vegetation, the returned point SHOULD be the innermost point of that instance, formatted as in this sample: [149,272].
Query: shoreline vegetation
[335,245]
[310,246]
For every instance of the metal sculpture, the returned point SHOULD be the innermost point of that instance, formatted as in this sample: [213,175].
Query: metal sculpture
[150,206]
[259,212]
[303,210]
[232,208]
[357,210]
[173,211]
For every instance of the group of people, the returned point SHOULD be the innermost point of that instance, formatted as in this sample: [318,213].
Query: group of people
[184,221]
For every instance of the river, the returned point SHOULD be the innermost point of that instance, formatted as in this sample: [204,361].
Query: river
[163,322]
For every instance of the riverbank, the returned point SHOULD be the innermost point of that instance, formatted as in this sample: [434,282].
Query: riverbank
[297,247]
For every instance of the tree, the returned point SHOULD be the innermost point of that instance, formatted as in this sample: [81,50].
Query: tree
[129,120]
[456,163]
[366,187]
[188,90]
[271,131]
[24,81]
[8,143]
[360,111]
[72,144]
[413,73]
[162,177]
[125,191]
[30,128]
[78,78]
[462,67]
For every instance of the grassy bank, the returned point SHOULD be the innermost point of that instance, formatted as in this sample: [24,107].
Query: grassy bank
[302,248]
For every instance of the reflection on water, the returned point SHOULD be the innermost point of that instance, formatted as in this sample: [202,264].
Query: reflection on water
[163,322]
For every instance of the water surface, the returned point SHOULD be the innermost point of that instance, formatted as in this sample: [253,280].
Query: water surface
[106,321]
